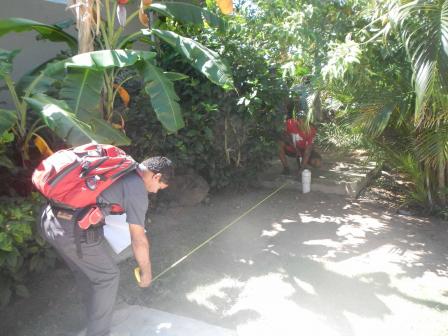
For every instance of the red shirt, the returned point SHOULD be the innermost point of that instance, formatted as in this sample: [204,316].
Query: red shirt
[302,138]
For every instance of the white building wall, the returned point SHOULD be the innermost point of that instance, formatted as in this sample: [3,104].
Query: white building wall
[33,52]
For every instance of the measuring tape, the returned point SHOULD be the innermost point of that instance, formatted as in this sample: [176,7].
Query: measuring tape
[137,269]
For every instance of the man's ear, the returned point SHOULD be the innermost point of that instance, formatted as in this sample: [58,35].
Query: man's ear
[157,176]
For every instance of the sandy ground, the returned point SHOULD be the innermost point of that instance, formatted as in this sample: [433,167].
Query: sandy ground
[314,264]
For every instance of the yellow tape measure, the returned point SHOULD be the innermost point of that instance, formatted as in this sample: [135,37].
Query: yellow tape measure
[137,269]
[137,274]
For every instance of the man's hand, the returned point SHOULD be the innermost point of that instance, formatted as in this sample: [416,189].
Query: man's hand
[145,279]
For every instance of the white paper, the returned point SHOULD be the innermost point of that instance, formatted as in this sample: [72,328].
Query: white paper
[116,231]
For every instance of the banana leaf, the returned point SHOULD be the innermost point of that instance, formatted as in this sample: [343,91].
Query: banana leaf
[164,99]
[189,13]
[127,41]
[44,82]
[58,117]
[7,120]
[99,60]
[175,76]
[104,59]
[50,32]
[83,82]
[81,89]
[201,58]
[6,59]
[105,133]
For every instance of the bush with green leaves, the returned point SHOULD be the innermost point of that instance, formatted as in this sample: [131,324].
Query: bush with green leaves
[22,250]
[394,89]
[337,136]
[229,135]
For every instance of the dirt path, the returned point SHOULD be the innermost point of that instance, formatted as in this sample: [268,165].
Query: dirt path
[312,264]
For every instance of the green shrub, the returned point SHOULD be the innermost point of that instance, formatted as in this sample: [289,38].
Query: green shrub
[228,136]
[22,250]
[334,136]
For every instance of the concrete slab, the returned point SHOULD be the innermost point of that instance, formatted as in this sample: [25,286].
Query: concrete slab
[141,321]
[341,173]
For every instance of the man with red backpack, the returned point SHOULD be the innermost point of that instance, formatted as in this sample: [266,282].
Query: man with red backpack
[77,233]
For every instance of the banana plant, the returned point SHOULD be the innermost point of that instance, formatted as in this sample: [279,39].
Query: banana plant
[15,120]
[76,116]
[83,110]
[201,58]
[157,84]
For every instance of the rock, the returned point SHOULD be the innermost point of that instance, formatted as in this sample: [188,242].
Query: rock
[406,212]
[185,190]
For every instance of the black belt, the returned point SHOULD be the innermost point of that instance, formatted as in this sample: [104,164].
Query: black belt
[89,236]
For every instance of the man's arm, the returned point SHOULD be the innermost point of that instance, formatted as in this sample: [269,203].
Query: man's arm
[140,246]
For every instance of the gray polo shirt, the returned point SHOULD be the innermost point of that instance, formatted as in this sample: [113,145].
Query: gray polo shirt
[130,193]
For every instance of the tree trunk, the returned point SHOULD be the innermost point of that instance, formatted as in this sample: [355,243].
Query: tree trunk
[428,188]
[317,106]
[85,22]
[442,183]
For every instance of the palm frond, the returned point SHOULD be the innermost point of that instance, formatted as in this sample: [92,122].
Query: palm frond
[426,41]
[432,145]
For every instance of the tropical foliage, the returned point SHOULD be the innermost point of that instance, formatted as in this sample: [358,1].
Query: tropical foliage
[384,63]
[375,71]
[229,135]
[397,93]
[75,99]
[22,251]
[81,109]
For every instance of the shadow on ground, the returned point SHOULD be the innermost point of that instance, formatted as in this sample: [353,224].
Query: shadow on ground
[312,264]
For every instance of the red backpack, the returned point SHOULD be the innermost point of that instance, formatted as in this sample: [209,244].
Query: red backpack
[74,178]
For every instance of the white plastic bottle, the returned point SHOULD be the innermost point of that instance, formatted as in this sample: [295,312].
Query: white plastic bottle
[306,181]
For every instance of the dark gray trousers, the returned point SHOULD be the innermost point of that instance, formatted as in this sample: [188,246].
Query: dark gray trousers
[96,273]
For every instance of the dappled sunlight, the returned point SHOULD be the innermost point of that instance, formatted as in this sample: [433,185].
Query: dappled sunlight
[364,225]
[386,258]
[270,249]
[411,320]
[246,261]
[276,228]
[269,296]
[287,221]
[162,327]
[324,242]
[305,286]
[391,262]
[429,286]
[306,218]
[351,232]
[204,295]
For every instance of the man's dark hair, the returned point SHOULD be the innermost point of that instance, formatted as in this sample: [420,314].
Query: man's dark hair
[162,165]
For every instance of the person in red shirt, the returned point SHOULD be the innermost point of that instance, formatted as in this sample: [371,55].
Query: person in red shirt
[297,141]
